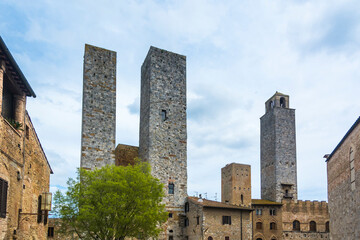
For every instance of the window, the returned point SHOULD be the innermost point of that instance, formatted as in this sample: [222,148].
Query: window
[27,132]
[171,238]
[170,215]
[171,188]
[259,239]
[272,212]
[227,238]
[259,225]
[312,226]
[272,226]
[197,220]
[163,115]
[187,207]
[186,222]
[296,225]
[242,199]
[352,169]
[258,211]
[226,220]
[327,227]
[8,101]
[210,238]
[39,216]
[3,197]
[282,102]
[50,231]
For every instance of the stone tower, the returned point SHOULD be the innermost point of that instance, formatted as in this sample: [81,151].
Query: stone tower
[99,108]
[236,184]
[278,150]
[163,129]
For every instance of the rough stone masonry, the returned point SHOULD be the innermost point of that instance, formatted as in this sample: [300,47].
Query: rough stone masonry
[163,136]
[99,108]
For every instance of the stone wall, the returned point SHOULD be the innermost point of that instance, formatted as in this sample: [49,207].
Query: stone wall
[278,151]
[240,228]
[99,108]
[236,184]
[24,166]
[344,202]
[305,212]
[261,214]
[163,136]
[125,155]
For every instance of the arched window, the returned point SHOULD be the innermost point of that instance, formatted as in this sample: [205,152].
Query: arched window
[327,227]
[312,226]
[272,226]
[210,238]
[282,102]
[259,225]
[259,239]
[296,225]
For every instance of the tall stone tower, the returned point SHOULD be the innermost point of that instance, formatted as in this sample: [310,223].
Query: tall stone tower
[236,184]
[278,150]
[99,108]
[163,129]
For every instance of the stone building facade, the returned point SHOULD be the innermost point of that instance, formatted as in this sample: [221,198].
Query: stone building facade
[99,108]
[24,169]
[343,171]
[209,220]
[267,219]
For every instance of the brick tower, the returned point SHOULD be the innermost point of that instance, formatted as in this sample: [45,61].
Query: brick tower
[236,184]
[99,108]
[278,150]
[163,129]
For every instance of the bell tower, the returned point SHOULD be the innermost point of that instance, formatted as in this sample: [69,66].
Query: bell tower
[278,150]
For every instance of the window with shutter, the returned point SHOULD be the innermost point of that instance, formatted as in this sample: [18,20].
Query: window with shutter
[226,220]
[3,197]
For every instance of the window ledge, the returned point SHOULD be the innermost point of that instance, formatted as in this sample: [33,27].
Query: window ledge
[9,124]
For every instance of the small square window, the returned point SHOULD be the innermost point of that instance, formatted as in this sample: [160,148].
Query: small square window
[170,215]
[226,220]
[163,115]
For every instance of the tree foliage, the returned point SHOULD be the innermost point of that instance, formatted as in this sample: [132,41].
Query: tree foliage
[113,202]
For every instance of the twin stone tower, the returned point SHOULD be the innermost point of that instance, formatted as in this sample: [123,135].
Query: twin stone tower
[163,134]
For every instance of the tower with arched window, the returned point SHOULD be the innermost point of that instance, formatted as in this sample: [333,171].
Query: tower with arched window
[278,150]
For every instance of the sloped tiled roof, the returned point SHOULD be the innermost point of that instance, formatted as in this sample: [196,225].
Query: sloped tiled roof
[215,204]
[14,69]
[264,202]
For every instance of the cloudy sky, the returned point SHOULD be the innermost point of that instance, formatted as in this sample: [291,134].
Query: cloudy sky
[238,54]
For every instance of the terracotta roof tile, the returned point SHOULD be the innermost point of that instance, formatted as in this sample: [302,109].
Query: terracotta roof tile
[215,204]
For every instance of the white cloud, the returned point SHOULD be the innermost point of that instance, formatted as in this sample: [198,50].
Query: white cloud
[238,55]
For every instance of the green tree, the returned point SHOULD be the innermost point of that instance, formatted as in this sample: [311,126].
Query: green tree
[113,202]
